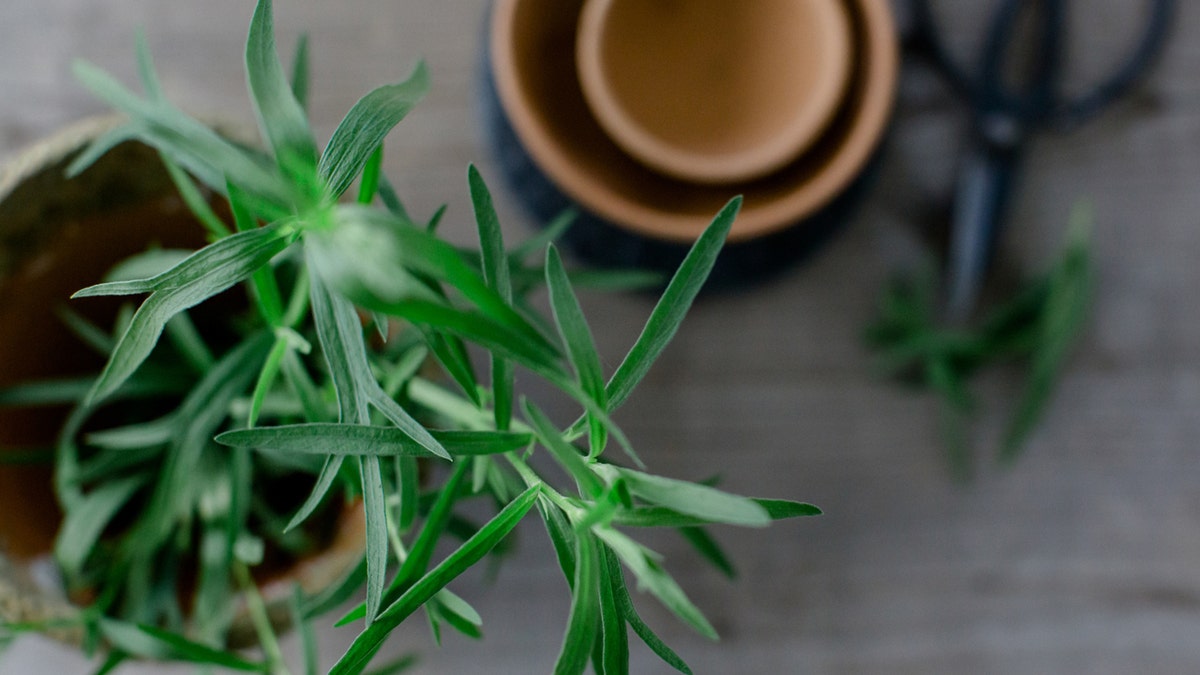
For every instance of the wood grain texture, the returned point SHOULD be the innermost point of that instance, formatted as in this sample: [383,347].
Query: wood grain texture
[1083,558]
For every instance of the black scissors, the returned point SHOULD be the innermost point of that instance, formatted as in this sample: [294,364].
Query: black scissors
[1004,117]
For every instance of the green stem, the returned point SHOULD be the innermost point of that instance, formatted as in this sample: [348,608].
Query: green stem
[531,478]
[298,303]
[369,185]
[196,203]
[262,622]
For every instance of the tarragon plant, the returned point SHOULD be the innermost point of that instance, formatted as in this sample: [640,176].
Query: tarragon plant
[349,300]
[1036,328]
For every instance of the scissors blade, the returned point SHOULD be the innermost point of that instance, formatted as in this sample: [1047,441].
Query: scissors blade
[981,198]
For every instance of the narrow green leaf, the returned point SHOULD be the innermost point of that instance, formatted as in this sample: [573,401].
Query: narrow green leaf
[549,234]
[458,613]
[369,183]
[67,485]
[145,64]
[89,333]
[614,652]
[180,290]
[196,148]
[336,439]
[1061,321]
[407,366]
[306,391]
[408,486]
[495,273]
[643,631]
[367,644]
[780,509]
[185,650]
[45,392]
[101,146]
[266,378]
[535,354]
[264,287]
[280,115]
[697,500]
[422,548]
[195,201]
[708,547]
[400,417]
[340,336]
[572,325]
[375,504]
[363,129]
[111,662]
[308,637]
[140,435]
[584,618]
[654,579]
[658,516]
[86,521]
[396,666]
[581,348]
[329,473]
[300,71]
[672,306]
[482,443]
[451,353]
[391,200]
[616,279]
[436,219]
[132,639]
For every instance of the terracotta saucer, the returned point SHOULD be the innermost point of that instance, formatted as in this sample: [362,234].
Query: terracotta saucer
[532,45]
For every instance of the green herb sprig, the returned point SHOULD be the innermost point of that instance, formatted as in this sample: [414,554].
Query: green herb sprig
[1035,328]
[319,384]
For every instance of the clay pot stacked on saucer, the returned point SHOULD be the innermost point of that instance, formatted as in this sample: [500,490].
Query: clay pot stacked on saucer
[648,115]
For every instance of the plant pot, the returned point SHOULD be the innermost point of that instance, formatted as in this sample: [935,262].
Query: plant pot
[556,154]
[58,235]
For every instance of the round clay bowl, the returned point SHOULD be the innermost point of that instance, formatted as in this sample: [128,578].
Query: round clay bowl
[532,47]
[714,91]
[50,225]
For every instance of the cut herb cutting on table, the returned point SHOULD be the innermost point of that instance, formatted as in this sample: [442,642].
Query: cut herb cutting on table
[171,465]
[931,331]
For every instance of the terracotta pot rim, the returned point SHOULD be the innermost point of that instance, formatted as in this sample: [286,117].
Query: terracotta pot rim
[768,207]
[16,168]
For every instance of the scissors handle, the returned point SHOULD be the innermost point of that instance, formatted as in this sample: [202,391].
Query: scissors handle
[1007,110]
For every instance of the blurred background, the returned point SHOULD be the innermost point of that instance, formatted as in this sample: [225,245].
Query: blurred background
[1082,557]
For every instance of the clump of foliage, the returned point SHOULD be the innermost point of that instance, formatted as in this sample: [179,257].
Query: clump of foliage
[325,378]
[1034,328]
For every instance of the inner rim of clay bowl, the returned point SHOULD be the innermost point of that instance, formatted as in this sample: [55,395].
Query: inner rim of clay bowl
[708,91]
[532,52]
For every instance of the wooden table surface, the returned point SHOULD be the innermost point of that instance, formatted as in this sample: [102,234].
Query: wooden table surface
[1083,558]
